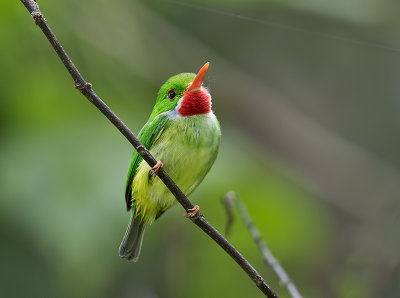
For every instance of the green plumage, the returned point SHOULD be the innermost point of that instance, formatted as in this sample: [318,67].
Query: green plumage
[187,146]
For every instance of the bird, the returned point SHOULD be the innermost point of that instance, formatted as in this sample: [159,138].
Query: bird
[183,134]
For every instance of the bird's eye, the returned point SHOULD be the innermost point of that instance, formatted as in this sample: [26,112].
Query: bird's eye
[171,94]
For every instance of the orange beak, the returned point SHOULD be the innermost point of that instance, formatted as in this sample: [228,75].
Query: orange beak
[198,80]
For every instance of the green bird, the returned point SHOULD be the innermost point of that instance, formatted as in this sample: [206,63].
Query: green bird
[183,134]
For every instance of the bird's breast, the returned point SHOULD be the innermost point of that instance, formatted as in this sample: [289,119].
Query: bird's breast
[187,147]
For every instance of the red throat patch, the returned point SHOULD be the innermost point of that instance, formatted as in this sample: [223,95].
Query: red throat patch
[195,103]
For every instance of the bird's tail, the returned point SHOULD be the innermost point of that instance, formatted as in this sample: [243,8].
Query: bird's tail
[132,242]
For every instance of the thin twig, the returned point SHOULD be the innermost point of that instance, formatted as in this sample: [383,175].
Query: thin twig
[86,89]
[229,201]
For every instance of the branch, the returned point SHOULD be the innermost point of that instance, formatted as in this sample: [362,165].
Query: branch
[86,89]
[229,201]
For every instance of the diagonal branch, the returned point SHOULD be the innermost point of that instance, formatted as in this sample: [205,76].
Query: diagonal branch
[229,201]
[86,89]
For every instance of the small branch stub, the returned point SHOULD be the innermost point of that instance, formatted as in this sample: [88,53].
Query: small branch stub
[83,86]
[38,17]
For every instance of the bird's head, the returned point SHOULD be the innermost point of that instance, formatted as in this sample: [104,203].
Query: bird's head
[185,94]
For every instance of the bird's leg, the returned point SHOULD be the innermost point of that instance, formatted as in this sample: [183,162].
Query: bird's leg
[192,212]
[154,170]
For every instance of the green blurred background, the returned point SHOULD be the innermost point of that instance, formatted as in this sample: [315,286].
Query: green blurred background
[307,94]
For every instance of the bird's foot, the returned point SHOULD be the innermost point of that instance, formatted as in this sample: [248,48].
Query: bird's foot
[154,170]
[192,212]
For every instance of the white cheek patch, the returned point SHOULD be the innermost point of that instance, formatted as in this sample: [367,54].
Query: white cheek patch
[174,114]
[179,104]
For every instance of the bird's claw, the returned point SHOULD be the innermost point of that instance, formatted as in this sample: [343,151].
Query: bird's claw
[154,170]
[192,212]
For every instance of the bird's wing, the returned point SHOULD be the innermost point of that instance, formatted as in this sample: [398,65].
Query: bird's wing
[148,135]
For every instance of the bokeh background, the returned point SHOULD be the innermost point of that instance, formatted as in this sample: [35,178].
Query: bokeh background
[307,93]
